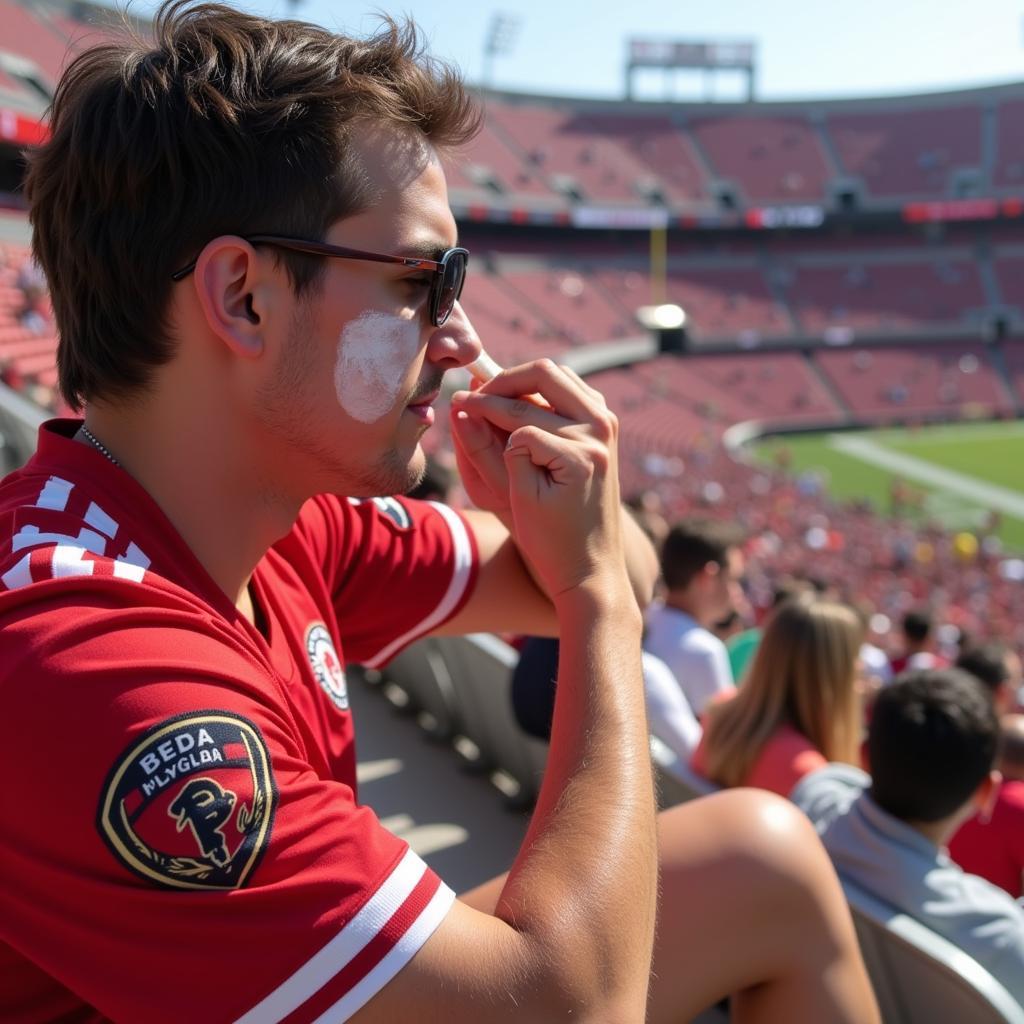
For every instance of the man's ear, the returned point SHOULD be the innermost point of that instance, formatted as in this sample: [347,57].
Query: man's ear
[986,794]
[230,288]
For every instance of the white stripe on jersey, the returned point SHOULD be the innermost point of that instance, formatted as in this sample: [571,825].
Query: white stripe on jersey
[68,556]
[396,958]
[70,561]
[97,518]
[353,938]
[55,494]
[20,575]
[456,588]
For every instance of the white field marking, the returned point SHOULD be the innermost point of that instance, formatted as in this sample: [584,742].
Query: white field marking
[375,352]
[968,487]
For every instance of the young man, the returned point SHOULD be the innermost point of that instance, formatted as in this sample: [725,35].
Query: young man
[931,747]
[998,667]
[701,566]
[918,644]
[253,265]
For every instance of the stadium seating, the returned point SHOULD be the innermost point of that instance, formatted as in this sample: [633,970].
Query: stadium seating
[512,330]
[1009,168]
[491,169]
[892,383]
[571,299]
[1013,356]
[885,297]
[677,781]
[423,682]
[780,387]
[908,153]
[770,159]
[670,158]
[30,34]
[918,976]
[571,153]
[459,690]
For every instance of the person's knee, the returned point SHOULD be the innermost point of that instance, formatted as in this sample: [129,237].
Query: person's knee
[761,842]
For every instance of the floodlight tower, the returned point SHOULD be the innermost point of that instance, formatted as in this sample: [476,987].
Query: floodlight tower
[500,41]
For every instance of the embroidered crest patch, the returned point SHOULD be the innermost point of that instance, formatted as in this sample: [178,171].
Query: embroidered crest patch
[326,664]
[191,804]
[391,507]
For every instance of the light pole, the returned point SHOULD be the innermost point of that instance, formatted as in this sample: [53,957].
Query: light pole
[501,38]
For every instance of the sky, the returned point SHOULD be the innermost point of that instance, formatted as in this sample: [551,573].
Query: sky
[805,48]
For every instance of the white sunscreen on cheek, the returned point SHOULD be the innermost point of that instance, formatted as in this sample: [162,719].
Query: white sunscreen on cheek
[374,353]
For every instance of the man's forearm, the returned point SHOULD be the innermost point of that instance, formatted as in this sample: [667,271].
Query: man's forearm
[591,846]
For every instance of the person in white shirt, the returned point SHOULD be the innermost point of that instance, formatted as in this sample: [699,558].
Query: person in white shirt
[701,566]
[932,746]
[669,716]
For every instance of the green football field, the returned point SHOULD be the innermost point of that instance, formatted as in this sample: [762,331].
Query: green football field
[956,474]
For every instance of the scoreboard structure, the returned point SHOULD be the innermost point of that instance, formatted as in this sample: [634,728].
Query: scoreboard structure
[688,55]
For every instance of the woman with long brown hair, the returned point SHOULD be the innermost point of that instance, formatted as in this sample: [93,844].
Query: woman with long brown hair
[798,707]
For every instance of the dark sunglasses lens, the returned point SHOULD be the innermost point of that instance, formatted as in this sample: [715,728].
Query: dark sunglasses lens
[451,285]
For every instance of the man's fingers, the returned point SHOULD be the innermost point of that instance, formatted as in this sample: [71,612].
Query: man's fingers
[560,459]
[479,451]
[472,434]
[593,392]
[509,414]
[561,390]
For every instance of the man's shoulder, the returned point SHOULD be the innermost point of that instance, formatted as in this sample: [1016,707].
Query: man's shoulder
[698,638]
[980,895]
[828,792]
[980,918]
[57,523]
[665,623]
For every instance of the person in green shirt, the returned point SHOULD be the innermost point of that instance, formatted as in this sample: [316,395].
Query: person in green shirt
[743,646]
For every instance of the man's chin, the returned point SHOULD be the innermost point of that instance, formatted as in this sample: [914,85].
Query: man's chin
[417,468]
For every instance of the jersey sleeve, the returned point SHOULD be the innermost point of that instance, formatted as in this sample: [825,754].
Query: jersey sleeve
[172,848]
[396,569]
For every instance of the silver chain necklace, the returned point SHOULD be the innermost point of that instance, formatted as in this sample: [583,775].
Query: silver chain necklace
[97,444]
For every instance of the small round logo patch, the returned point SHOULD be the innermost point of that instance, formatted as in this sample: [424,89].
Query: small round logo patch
[191,804]
[326,664]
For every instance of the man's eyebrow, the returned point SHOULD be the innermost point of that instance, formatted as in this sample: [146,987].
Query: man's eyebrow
[425,250]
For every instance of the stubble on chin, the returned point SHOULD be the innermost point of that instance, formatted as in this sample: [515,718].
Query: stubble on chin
[288,407]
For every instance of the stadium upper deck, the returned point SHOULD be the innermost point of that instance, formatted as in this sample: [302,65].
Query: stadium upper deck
[799,226]
[556,159]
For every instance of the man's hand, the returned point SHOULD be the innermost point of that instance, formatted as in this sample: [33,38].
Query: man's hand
[482,423]
[549,472]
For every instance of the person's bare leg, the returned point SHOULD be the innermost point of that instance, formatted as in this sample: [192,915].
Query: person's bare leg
[751,908]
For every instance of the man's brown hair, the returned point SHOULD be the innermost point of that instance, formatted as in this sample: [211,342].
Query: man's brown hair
[691,544]
[222,123]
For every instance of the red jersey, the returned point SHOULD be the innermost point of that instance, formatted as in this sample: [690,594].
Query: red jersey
[994,849]
[181,834]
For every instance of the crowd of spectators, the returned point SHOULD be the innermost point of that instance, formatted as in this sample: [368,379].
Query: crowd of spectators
[887,565]
[28,338]
[823,603]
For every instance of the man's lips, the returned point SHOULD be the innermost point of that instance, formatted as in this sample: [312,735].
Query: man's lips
[423,407]
[425,400]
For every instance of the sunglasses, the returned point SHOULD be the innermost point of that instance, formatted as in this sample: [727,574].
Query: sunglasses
[445,288]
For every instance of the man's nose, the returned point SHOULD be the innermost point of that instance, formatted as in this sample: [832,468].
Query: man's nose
[454,344]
